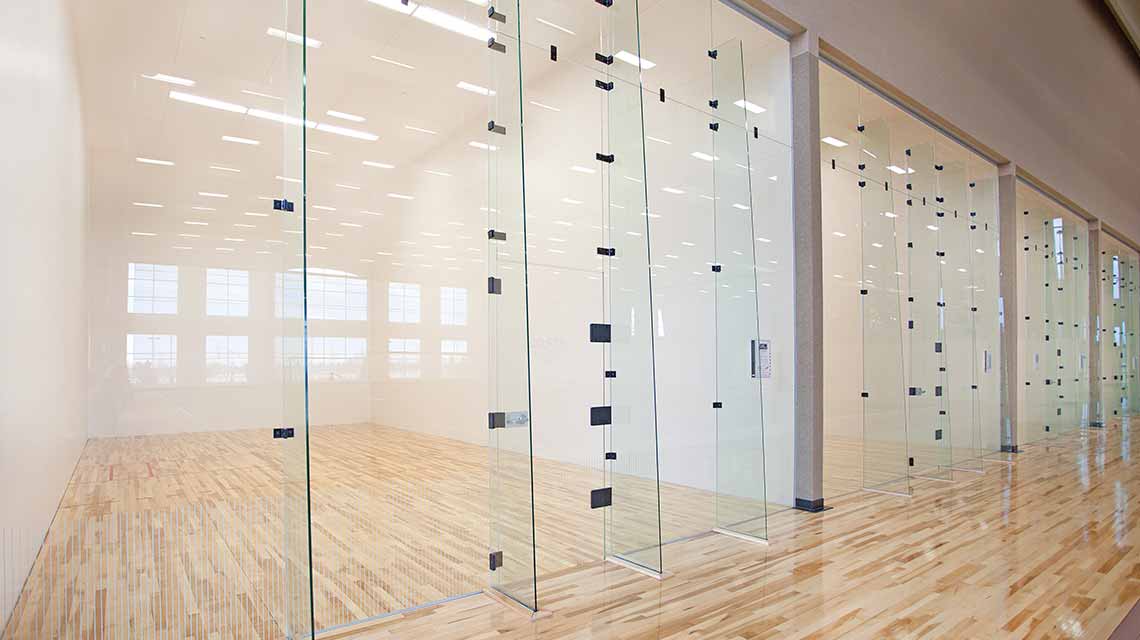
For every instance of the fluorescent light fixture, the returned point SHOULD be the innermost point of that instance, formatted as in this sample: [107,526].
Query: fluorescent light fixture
[544,106]
[482,145]
[629,58]
[221,168]
[452,23]
[151,205]
[256,214]
[555,26]
[890,214]
[421,130]
[578,169]
[162,77]
[280,117]
[979,251]
[259,94]
[396,5]
[370,213]
[211,194]
[238,140]
[877,245]
[323,208]
[294,38]
[899,170]
[245,226]
[317,246]
[401,196]
[760,239]
[703,156]
[393,62]
[870,154]
[196,223]
[571,201]
[474,88]
[181,247]
[207,102]
[749,106]
[657,140]
[293,180]
[740,206]
[334,235]
[161,163]
[348,186]
[839,234]
[932,227]
[433,172]
[318,152]
[234,239]
[672,190]
[143,233]
[344,116]
[352,224]
[378,165]
[348,133]
[773,178]
[835,142]
[227,249]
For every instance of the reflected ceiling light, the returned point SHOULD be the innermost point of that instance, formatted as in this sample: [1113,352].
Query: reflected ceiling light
[759,239]
[544,106]
[889,214]
[221,168]
[203,208]
[960,269]
[294,180]
[482,145]
[563,223]
[383,253]
[196,223]
[210,194]
[323,208]
[393,62]
[280,117]
[899,170]
[259,94]
[181,247]
[633,233]
[839,234]
[629,58]
[294,38]
[452,23]
[334,235]
[317,246]
[632,179]
[367,260]
[932,227]
[348,186]
[344,116]
[979,251]
[162,77]
[163,163]
[143,233]
[740,206]
[687,243]
[244,225]
[378,165]
[189,235]
[275,241]
[207,102]
[672,190]
[238,140]
[234,239]
[352,224]
[749,106]
[555,26]
[370,213]
[877,245]
[152,205]
[836,275]
[704,156]
[474,88]
[773,178]
[396,5]
[427,131]
[571,201]
[578,169]
[870,154]
[255,214]
[433,172]
[349,133]
[400,196]
[871,266]
[292,231]
[229,249]
[835,142]
[318,152]
[657,140]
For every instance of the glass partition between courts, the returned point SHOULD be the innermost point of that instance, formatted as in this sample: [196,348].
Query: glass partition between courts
[1132,344]
[885,456]
[928,424]
[985,287]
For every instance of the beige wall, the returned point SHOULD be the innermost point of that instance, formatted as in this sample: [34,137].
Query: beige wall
[42,335]
[1047,85]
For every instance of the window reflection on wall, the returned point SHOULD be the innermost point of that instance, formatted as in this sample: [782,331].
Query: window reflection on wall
[403,303]
[151,359]
[152,288]
[227,359]
[227,292]
[337,297]
[453,306]
[452,357]
[404,356]
[337,358]
[289,296]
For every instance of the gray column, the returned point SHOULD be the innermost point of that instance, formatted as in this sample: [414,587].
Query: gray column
[1007,233]
[1096,416]
[808,231]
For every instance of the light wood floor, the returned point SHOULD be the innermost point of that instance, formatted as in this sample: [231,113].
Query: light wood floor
[1045,547]
[203,535]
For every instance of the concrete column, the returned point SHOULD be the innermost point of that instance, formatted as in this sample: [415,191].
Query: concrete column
[1096,415]
[1010,319]
[807,215]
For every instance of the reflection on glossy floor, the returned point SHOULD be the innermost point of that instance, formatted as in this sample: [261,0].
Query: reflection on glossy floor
[1041,548]
[192,534]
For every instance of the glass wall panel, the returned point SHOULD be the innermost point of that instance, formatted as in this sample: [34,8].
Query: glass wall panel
[885,456]
[1115,313]
[985,283]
